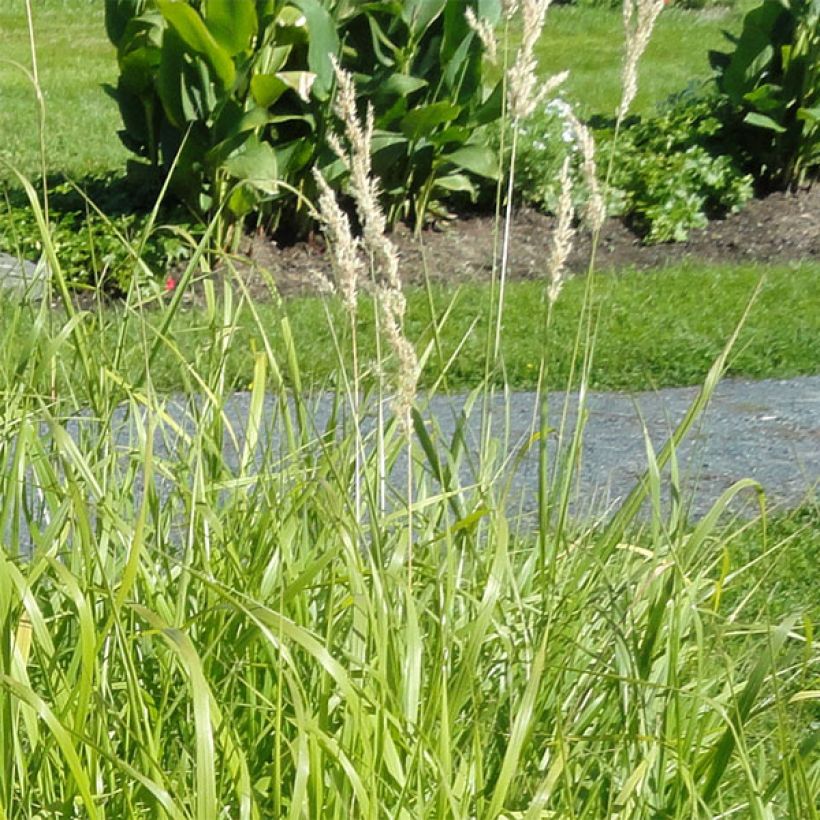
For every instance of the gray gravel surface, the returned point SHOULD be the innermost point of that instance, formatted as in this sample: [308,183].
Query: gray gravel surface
[22,277]
[765,430]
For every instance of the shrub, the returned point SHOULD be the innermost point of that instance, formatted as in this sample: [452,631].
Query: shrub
[669,174]
[223,93]
[237,94]
[672,170]
[545,139]
[771,77]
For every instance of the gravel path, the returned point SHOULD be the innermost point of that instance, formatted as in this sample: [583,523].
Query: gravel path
[765,430]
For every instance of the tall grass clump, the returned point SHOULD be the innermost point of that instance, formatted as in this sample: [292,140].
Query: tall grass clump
[278,604]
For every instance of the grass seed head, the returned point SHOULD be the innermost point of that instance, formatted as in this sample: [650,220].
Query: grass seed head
[595,211]
[563,237]
[484,31]
[640,17]
[345,249]
[522,77]
[383,254]
[392,305]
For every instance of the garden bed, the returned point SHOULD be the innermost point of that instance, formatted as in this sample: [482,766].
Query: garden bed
[776,229]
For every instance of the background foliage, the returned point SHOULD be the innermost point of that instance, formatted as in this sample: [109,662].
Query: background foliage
[235,96]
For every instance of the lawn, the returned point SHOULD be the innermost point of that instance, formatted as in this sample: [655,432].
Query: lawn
[74,59]
[589,42]
[646,336]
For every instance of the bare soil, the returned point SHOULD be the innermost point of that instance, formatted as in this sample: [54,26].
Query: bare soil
[780,228]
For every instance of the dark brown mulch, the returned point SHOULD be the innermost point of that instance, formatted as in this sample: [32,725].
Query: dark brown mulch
[780,228]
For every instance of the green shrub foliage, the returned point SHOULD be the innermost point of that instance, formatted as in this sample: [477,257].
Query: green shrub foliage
[105,248]
[233,97]
[771,77]
[670,173]
[672,170]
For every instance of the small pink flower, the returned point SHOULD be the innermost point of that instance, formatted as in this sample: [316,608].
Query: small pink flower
[170,284]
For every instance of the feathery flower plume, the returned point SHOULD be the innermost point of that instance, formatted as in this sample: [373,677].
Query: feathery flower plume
[509,8]
[522,77]
[365,190]
[563,236]
[363,186]
[345,258]
[595,212]
[639,21]
[485,33]
[392,306]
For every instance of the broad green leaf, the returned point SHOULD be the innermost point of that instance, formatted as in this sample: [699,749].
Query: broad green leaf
[419,14]
[456,183]
[809,114]
[478,159]
[400,85]
[324,44]
[138,69]
[421,122]
[255,164]
[234,120]
[232,23]
[266,89]
[293,156]
[766,98]
[490,110]
[118,14]
[192,31]
[762,121]
[453,134]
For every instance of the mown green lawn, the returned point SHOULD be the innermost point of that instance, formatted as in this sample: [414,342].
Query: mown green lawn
[74,59]
[652,330]
[589,43]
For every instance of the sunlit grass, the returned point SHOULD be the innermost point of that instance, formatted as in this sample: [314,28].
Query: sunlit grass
[187,634]
[654,330]
[204,616]
[74,59]
[589,43]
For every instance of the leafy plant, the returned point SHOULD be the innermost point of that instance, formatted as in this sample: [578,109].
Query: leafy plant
[420,65]
[545,139]
[233,96]
[96,249]
[673,172]
[222,93]
[670,172]
[772,79]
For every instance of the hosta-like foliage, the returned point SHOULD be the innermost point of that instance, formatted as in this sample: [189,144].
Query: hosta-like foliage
[772,78]
[420,65]
[233,97]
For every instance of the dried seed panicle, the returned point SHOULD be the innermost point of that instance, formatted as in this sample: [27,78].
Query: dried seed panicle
[563,237]
[385,259]
[392,307]
[522,78]
[639,21]
[484,31]
[346,259]
[595,211]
